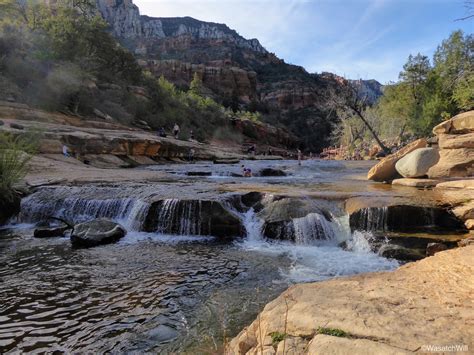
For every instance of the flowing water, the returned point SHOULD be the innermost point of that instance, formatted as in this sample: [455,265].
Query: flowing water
[162,292]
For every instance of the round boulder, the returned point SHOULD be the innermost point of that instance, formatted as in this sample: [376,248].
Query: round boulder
[97,232]
[417,163]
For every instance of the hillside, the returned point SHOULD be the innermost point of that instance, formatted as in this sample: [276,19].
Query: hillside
[239,72]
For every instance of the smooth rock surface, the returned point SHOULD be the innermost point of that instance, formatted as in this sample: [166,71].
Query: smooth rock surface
[97,232]
[417,163]
[385,169]
[395,312]
[411,182]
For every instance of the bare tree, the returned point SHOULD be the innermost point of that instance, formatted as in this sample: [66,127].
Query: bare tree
[469,6]
[348,101]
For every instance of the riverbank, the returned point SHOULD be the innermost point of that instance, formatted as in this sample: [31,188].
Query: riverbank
[422,304]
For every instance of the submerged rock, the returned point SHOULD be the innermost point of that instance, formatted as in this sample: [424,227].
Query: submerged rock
[417,163]
[97,232]
[199,173]
[51,232]
[433,248]
[266,172]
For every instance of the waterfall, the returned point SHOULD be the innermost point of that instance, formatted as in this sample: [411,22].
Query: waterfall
[313,227]
[373,218]
[180,217]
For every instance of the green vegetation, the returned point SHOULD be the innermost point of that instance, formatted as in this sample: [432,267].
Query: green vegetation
[61,58]
[427,93]
[277,337]
[15,154]
[335,332]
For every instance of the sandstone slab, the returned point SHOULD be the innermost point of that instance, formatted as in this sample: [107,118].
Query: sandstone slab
[411,182]
[454,163]
[417,163]
[385,169]
[398,312]
[467,184]
[456,141]
[459,124]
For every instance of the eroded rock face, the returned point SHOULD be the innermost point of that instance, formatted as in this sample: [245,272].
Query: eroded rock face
[456,142]
[385,170]
[97,232]
[385,313]
[192,217]
[417,163]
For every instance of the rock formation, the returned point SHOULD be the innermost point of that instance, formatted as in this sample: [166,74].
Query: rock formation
[396,312]
[456,143]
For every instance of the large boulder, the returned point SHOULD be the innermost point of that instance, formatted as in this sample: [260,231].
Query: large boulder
[417,163]
[453,163]
[385,170]
[459,124]
[97,232]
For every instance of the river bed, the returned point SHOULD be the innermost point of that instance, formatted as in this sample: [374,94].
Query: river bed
[155,292]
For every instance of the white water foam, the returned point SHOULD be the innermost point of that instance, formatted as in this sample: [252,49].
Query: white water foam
[317,261]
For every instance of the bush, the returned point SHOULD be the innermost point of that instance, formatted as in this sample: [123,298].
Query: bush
[15,153]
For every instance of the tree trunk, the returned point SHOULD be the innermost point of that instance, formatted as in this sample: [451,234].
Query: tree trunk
[369,127]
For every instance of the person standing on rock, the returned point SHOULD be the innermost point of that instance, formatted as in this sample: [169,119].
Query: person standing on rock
[300,156]
[176,130]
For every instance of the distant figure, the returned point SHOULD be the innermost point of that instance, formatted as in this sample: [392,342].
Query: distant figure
[310,155]
[246,172]
[161,132]
[191,154]
[176,130]
[270,151]
[300,156]
[191,136]
[66,152]
[252,149]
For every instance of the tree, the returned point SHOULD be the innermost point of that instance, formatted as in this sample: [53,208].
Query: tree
[349,102]
[469,6]
[415,73]
[196,86]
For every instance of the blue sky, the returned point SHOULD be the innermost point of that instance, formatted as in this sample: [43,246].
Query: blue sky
[355,38]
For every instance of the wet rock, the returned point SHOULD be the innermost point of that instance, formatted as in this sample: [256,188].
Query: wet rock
[466,242]
[266,172]
[457,184]
[433,248]
[385,169]
[97,232]
[192,217]
[253,200]
[17,126]
[50,232]
[417,163]
[9,207]
[1,123]
[162,333]
[226,161]
[405,218]
[199,173]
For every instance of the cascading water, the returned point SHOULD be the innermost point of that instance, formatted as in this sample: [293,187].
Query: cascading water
[179,217]
[374,218]
[313,227]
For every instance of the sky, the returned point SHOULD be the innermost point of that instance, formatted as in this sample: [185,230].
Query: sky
[368,39]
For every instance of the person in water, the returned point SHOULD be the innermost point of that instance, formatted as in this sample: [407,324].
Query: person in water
[176,130]
[300,156]
[246,172]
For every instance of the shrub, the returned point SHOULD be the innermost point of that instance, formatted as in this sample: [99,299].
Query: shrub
[15,153]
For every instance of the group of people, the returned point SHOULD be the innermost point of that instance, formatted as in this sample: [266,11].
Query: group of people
[176,131]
